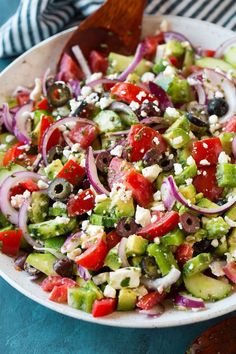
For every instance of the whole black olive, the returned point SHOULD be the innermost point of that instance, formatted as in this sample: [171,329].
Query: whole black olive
[64,267]
[151,157]
[149,267]
[221,201]
[189,222]
[58,94]
[196,121]
[218,106]
[148,109]
[102,161]
[202,246]
[54,153]
[126,226]
[59,189]
[166,164]
[31,270]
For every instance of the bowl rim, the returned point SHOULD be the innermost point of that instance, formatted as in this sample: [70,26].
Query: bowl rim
[109,321]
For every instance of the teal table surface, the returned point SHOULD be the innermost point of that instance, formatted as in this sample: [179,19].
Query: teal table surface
[29,328]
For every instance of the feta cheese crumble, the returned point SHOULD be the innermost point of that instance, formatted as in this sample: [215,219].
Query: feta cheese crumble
[151,172]
[204,162]
[142,216]
[223,158]
[117,151]
[178,168]
[172,112]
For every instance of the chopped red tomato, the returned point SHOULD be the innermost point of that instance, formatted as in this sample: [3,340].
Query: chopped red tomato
[127,92]
[150,45]
[177,62]
[30,185]
[118,168]
[44,105]
[141,139]
[69,70]
[160,227]
[12,154]
[46,122]
[81,203]
[183,253]
[103,307]
[84,134]
[207,151]
[151,299]
[22,98]
[59,294]
[208,53]
[112,239]
[72,172]
[141,188]
[98,62]
[93,257]
[230,126]
[230,271]
[56,280]
[10,240]
[205,182]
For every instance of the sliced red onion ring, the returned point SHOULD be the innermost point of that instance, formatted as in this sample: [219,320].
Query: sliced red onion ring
[155,311]
[92,174]
[131,67]
[202,99]
[22,223]
[123,108]
[122,252]
[72,242]
[234,146]
[161,95]
[81,60]
[12,214]
[84,273]
[164,282]
[225,45]
[170,35]
[211,211]
[36,162]
[219,80]
[188,301]
[167,195]
[7,117]
[21,123]
[49,250]
[101,82]
[57,124]
[44,81]
[75,87]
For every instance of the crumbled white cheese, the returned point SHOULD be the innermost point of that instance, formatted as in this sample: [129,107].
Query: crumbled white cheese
[9,138]
[178,168]
[105,102]
[125,277]
[86,91]
[37,90]
[154,218]
[143,114]
[141,95]
[190,161]
[94,77]
[42,184]
[204,173]
[223,158]
[109,291]
[158,206]
[156,140]
[219,94]
[85,225]
[204,162]
[186,44]
[142,216]
[189,181]
[151,172]
[59,205]
[101,278]
[76,147]
[134,105]
[83,162]
[100,198]
[74,104]
[157,240]
[62,220]
[172,112]
[169,71]
[217,268]
[180,226]
[92,98]
[94,230]
[213,119]
[157,196]
[18,199]
[141,291]
[74,254]
[148,76]
[215,243]
[205,145]
[164,25]
[119,192]
[177,140]
[117,151]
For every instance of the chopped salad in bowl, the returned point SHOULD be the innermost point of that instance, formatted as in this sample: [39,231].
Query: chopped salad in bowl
[118,178]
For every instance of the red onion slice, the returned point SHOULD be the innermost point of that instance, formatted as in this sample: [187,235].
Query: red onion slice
[122,252]
[123,108]
[84,273]
[7,117]
[101,82]
[161,95]
[44,81]
[75,87]
[81,60]
[155,311]
[71,242]
[225,45]
[219,80]
[12,214]
[202,99]
[234,146]
[188,301]
[92,174]
[164,282]
[22,223]
[170,35]
[21,123]
[132,66]
[167,195]
[211,211]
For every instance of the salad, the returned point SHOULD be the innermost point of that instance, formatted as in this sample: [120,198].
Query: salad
[118,178]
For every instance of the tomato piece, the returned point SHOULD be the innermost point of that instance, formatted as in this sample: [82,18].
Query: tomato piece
[112,239]
[140,140]
[46,122]
[230,271]
[11,241]
[29,185]
[22,98]
[56,280]
[59,294]
[12,154]
[72,172]
[208,53]
[230,126]
[93,257]
[81,203]
[142,189]
[183,253]
[207,149]
[175,61]
[44,105]
[205,182]
[150,45]
[69,70]
[160,227]
[103,307]
[127,92]
[98,62]
[84,134]
[151,299]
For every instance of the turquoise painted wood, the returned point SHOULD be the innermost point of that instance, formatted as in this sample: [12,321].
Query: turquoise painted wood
[29,328]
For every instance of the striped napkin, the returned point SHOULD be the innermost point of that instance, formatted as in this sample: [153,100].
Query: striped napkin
[36,20]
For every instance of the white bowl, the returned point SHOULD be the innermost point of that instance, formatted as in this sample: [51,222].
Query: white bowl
[33,64]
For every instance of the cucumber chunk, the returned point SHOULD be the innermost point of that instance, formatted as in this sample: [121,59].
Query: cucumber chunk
[213,63]
[43,262]
[197,264]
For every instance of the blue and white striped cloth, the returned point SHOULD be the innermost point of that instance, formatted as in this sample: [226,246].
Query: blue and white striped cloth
[36,20]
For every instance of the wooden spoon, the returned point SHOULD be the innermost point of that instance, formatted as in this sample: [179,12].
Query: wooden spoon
[115,26]
[219,339]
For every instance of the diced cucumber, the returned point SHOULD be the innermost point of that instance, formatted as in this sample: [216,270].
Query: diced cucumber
[215,227]
[136,245]
[213,63]
[52,228]
[108,121]
[226,141]
[43,262]
[102,220]
[174,48]
[90,285]
[231,213]
[55,242]
[103,207]
[174,238]
[81,299]
[8,140]
[226,175]
[118,63]
[207,288]
[53,169]
[188,172]
[163,257]
[8,171]
[112,259]
[197,264]
[126,300]
[39,207]
[230,55]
